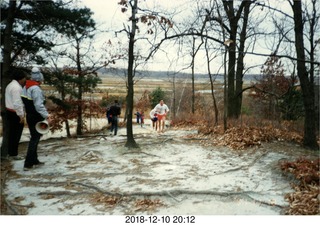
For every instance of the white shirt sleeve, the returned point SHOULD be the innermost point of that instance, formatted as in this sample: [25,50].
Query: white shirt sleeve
[156,108]
[167,109]
[152,113]
[17,101]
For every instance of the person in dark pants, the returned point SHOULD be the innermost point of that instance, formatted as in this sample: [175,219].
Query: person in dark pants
[15,112]
[142,118]
[154,119]
[115,111]
[138,116]
[33,100]
[109,117]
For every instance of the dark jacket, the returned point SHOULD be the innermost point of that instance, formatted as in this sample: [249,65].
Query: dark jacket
[115,110]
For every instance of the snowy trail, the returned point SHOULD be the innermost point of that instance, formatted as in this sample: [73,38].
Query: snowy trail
[168,175]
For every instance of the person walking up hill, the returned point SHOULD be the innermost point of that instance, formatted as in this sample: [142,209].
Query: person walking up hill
[115,111]
[162,111]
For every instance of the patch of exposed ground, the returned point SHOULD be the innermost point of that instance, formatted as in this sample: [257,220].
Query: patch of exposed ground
[171,173]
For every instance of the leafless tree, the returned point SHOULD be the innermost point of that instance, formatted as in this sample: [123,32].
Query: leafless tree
[151,20]
[302,36]
[306,77]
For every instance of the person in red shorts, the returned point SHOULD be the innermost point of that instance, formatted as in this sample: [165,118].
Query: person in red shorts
[162,110]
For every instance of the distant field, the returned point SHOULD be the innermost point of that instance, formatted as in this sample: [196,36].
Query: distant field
[117,85]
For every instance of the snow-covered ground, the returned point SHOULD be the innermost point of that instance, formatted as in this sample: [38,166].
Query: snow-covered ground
[170,174]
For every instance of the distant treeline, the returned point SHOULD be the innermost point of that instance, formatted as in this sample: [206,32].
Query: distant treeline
[168,74]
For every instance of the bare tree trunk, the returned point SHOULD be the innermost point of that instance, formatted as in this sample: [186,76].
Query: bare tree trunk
[193,55]
[313,21]
[235,65]
[131,143]
[225,86]
[7,48]
[80,90]
[232,60]
[240,65]
[216,111]
[192,74]
[225,93]
[307,85]
[63,96]
[174,97]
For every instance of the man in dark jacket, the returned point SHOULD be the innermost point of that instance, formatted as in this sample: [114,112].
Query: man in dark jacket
[115,111]
[33,99]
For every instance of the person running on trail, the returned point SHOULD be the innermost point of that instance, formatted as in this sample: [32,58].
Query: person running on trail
[142,118]
[162,111]
[154,119]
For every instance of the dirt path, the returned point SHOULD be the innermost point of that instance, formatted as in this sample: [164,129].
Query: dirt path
[170,174]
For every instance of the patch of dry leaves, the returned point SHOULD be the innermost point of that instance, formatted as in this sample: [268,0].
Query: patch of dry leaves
[145,204]
[306,198]
[106,199]
[248,136]
[239,137]
[5,168]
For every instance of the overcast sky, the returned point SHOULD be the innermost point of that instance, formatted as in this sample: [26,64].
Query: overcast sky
[108,15]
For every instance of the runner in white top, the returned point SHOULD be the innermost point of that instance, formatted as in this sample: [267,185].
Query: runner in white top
[161,110]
